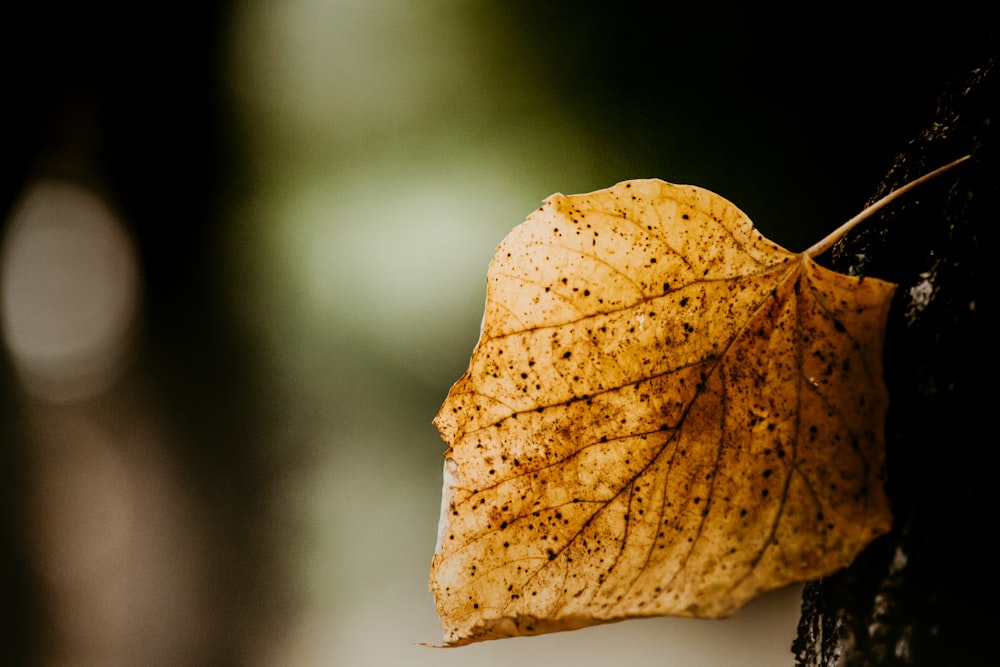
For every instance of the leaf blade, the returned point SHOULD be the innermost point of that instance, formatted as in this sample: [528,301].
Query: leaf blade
[637,431]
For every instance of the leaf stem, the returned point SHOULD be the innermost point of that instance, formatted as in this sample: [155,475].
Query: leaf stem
[833,237]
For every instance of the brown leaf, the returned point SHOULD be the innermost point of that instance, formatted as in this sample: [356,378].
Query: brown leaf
[666,414]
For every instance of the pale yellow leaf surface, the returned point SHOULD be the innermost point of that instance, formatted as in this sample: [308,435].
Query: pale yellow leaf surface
[666,413]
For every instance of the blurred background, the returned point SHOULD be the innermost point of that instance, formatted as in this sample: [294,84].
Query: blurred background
[243,253]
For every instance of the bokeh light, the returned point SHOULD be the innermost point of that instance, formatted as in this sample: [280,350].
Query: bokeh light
[69,291]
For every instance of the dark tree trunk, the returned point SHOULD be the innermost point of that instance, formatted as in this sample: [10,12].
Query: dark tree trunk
[925,594]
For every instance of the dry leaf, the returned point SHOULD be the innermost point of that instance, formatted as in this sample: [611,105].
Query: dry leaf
[666,414]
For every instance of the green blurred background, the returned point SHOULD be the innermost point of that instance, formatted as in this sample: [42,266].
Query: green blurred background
[299,202]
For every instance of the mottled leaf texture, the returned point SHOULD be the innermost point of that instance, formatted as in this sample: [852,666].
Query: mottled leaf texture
[666,413]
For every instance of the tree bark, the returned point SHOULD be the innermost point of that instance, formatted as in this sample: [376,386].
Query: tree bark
[924,593]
